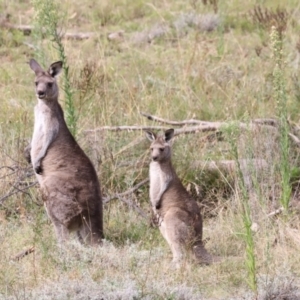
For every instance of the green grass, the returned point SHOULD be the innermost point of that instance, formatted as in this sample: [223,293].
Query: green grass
[223,75]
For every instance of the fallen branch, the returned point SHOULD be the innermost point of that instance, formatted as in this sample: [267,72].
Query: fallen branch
[229,166]
[78,35]
[275,212]
[176,123]
[203,127]
[185,130]
[27,30]
[23,253]
[269,122]
[127,128]
[294,139]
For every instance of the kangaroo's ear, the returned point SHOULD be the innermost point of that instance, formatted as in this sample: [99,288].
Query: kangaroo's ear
[169,134]
[55,68]
[150,135]
[34,65]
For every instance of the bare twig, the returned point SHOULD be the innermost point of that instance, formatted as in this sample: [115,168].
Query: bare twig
[275,212]
[15,190]
[7,167]
[126,193]
[295,139]
[122,197]
[23,253]
[127,128]
[136,207]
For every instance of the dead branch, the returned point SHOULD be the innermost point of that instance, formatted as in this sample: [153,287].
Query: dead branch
[270,122]
[130,203]
[191,129]
[229,166]
[295,139]
[23,253]
[7,167]
[78,35]
[275,212]
[126,128]
[176,123]
[126,193]
[203,127]
[27,30]
[16,190]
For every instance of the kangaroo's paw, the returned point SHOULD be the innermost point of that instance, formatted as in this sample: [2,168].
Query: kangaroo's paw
[37,167]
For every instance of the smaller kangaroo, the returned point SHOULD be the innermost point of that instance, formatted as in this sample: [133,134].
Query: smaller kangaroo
[179,216]
[68,180]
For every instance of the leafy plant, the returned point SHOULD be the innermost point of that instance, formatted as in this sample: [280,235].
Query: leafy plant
[48,17]
[266,18]
[280,96]
[250,260]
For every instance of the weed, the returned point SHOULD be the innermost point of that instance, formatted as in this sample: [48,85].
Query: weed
[280,96]
[213,3]
[250,260]
[47,20]
[199,64]
[267,18]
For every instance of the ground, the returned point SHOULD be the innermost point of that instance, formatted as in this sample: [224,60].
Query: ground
[208,60]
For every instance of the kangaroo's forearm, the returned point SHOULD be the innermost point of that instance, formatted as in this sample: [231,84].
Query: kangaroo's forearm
[161,193]
[49,136]
[48,139]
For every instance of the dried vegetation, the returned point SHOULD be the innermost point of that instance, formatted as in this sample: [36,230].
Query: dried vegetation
[208,63]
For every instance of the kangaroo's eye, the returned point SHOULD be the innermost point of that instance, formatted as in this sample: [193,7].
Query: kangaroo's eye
[151,149]
[161,149]
[50,84]
[36,83]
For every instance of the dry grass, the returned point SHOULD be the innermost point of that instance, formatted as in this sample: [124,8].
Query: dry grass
[177,60]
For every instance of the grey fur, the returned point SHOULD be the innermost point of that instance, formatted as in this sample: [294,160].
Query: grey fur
[68,180]
[180,220]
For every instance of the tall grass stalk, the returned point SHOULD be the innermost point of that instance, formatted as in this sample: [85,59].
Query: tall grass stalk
[281,102]
[47,17]
[250,260]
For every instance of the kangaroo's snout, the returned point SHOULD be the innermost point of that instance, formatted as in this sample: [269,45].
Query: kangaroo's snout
[41,94]
[154,158]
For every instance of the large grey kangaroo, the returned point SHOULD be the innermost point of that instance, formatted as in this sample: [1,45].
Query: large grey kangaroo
[68,180]
[179,217]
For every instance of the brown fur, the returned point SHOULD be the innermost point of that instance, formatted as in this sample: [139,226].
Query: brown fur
[180,220]
[68,180]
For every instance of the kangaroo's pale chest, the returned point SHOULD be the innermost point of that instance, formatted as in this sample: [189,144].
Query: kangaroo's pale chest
[158,177]
[42,115]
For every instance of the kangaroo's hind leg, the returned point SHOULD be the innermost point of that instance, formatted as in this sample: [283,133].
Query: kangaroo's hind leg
[175,232]
[63,212]
[62,232]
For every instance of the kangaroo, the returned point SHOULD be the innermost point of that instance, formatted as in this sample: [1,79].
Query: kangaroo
[67,178]
[179,217]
